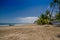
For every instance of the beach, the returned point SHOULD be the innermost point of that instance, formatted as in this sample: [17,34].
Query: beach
[30,32]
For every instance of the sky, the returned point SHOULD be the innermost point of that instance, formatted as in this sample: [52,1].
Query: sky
[22,11]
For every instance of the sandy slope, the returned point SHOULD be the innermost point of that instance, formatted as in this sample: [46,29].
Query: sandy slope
[30,32]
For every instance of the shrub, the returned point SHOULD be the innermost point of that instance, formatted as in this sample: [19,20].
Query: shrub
[11,24]
[42,21]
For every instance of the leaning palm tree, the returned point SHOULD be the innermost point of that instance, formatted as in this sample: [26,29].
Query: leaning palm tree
[59,5]
[47,13]
[53,4]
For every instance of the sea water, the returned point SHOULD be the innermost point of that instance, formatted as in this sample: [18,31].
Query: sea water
[8,24]
[12,24]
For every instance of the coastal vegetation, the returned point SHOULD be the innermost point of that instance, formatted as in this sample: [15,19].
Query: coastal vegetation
[47,17]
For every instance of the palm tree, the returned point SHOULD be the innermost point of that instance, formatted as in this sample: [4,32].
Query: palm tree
[59,5]
[53,4]
[57,16]
[47,13]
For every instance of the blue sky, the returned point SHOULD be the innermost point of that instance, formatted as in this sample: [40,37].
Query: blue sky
[15,10]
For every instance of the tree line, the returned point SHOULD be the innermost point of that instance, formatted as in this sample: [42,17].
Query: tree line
[48,17]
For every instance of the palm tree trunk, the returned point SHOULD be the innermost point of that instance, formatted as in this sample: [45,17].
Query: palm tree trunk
[51,13]
[59,9]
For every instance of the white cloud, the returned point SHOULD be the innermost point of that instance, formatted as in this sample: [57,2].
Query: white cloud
[20,20]
[27,19]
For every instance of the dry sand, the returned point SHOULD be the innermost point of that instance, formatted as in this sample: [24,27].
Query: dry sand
[30,32]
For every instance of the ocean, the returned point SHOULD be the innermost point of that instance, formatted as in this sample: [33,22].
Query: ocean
[8,24]
[12,24]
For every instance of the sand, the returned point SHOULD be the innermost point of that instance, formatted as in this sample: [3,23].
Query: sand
[30,32]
